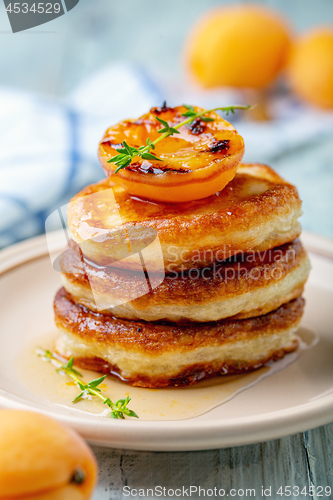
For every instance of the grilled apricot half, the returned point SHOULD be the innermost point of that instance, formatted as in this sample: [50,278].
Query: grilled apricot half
[196,163]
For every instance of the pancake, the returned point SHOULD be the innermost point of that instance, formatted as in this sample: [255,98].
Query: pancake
[257,210]
[246,285]
[159,355]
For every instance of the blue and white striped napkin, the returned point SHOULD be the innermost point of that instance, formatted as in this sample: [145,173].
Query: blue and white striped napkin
[48,149]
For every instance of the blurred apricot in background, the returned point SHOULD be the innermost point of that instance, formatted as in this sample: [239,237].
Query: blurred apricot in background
[42,459]
[239,46]
[311,67]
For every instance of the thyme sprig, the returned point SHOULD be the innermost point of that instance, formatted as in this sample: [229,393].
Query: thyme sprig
[127,153]
[118,409]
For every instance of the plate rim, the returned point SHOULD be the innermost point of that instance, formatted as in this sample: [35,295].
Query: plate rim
[176,435]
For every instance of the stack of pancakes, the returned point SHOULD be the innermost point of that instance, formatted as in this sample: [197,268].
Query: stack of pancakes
[169,294]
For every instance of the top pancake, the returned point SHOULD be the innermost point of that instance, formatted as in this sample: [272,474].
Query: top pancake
[257,210]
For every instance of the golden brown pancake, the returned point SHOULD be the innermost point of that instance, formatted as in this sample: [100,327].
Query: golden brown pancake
[246,285]
[257,210]
[158,355]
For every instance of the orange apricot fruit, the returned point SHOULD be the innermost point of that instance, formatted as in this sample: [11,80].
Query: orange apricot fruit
[196,163]
[310,67]
[42,459]
[238,46]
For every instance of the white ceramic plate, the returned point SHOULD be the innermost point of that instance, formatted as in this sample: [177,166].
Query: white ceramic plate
[296,399]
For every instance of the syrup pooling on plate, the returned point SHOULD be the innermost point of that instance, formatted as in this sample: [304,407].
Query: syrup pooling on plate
[176,403]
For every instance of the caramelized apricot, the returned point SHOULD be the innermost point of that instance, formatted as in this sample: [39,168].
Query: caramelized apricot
[196,163]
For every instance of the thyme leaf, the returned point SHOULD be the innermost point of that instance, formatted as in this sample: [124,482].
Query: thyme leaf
[118,409]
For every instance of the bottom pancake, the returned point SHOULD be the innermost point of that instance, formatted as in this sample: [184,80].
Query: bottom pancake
[164,354]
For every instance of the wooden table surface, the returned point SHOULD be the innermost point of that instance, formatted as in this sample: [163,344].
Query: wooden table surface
[302,460]
[74,47]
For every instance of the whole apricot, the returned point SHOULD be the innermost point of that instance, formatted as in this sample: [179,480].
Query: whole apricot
[239,46]
[310,68]
[42,459]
